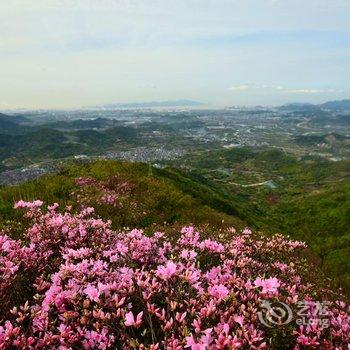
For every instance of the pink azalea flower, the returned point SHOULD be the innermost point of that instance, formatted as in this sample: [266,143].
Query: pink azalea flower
[167,271]
[269,285]
[188,254]
[191,343]
[130,319]
[239,319]
[92,292]
[247,231]
[218,291]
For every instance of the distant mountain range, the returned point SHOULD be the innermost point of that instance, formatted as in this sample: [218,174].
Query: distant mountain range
[11,124]
[340,105]
[7,121]
[12,118]
[153,104]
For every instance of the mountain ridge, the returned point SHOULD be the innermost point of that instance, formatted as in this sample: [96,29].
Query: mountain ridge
[336,105]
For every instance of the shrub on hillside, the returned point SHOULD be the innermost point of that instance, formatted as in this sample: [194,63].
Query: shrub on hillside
[95,288]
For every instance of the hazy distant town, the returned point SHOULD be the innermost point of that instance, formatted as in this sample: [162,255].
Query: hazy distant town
[160,135]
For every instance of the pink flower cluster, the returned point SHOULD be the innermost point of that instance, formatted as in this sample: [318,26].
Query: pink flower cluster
[95,288]
[111,192]
[13,256]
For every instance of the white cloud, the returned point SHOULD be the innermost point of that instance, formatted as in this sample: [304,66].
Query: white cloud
[312,91]
[239,87]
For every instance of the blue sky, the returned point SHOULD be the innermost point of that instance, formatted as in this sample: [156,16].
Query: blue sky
[72,53]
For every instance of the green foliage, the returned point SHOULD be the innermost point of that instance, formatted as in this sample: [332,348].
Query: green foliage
[321,218]
[162,197]
[311,201]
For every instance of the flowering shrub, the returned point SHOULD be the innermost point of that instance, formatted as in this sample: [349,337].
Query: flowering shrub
[95,288]
[113,191]
[113,197]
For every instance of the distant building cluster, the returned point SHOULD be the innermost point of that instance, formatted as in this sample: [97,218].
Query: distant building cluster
[13,177]
[145,154]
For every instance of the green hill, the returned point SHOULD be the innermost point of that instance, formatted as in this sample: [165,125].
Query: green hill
[165,196]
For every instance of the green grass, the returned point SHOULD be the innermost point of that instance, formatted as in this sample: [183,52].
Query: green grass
[165,195]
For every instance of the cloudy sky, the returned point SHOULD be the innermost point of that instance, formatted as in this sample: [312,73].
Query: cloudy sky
[72,53]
